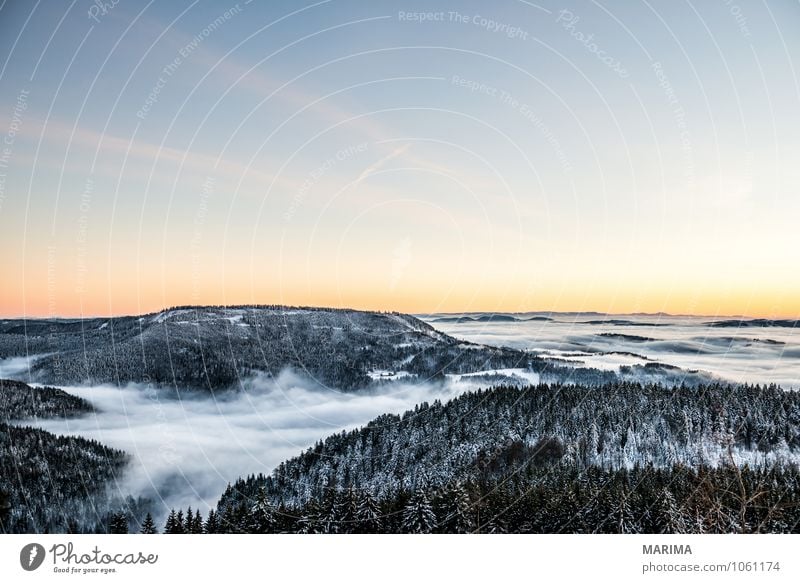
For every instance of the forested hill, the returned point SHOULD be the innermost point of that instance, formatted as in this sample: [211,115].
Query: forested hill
[21,401]
[50,483]
[493,434]
[213,347]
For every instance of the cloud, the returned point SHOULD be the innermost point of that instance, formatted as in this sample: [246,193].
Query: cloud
[56,131]
[750,355]
[185,450]
[380,163]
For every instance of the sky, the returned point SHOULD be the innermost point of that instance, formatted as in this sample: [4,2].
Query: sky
[414,156]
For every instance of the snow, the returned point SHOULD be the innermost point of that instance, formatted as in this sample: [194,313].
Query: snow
[527,375]
[599,360]
[387,375]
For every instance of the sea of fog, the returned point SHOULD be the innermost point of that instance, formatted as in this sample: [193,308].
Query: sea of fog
[185,450]
[746,353]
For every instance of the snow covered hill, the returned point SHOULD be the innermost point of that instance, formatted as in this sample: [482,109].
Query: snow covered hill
[215,347]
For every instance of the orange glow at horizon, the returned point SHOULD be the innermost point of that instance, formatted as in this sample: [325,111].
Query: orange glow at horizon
[124,300]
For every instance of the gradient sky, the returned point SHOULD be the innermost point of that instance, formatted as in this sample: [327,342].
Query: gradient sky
[616,156]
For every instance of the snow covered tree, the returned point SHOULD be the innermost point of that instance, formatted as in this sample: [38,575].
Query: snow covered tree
[459,515]
[262,518]
[418,515]
[673,520]
[119,523]
[368,514]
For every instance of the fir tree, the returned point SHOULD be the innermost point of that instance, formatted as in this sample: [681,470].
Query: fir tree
[188,524]
[368,514]
[148,526]
[119,523]
[174,524]
[418,516]
[5,511]
[672,520]
[211,525]
[197,523]
[262,516]
[458,514]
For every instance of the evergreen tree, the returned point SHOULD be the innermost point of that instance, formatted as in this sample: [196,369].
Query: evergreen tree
[148,526]
[418,515]
[262,515]
[174,524]
[345,510]
[197,523]
[5,511]
[211,525]
[671,518]
[368,514]
[328,520]
[458,514]
[308,520]
[188,524]
[119,523]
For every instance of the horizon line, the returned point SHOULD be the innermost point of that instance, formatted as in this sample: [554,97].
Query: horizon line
[415,314]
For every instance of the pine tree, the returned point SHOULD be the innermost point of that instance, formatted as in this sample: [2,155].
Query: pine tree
[188,525]
[119,523]
[418,516]
[368,514]
[5,511]
[148,526]
[197,523]
[328,520]
[180,522]
[174,524]
[262,516]
[345,510]
[211,525]
[459,516]
[672,518]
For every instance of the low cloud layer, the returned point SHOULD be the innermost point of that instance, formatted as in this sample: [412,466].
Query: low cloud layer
[747,354]
[185,450]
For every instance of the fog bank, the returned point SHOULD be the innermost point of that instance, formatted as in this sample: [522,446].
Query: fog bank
[186,449]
